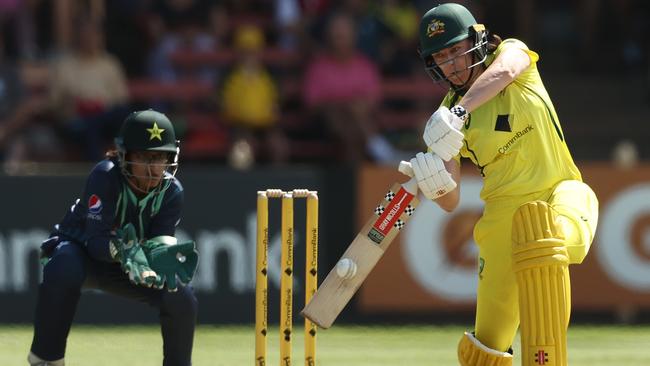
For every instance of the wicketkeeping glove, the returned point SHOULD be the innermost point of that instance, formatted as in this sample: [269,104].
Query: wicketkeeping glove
[126,249]
[442,133]
[170,261]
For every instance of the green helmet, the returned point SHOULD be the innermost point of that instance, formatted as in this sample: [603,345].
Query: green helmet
[148,130]
[444,26]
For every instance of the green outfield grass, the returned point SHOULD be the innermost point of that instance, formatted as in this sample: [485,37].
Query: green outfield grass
[339,346]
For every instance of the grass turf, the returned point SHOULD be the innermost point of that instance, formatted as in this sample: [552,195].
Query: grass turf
[340,346]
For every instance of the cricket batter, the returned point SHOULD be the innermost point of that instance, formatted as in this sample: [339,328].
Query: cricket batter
[539,216]
[119,238]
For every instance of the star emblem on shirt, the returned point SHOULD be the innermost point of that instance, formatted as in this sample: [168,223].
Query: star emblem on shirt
[155,132]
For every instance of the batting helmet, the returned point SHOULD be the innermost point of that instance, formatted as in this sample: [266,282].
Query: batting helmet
[444,26]
[147,130]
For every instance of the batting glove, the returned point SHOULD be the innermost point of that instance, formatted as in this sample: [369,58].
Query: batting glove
[442,133]
[433,178]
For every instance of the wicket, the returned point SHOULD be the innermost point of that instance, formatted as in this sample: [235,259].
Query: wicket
[286,283]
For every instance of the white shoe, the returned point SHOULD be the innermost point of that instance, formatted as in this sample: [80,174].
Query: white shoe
[37,361]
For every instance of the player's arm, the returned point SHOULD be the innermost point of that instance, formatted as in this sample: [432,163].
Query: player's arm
[505,68]
[102,191]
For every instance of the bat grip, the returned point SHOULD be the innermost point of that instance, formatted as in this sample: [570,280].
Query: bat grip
[406,168]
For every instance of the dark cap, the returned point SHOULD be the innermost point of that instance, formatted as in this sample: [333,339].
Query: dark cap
[147,131]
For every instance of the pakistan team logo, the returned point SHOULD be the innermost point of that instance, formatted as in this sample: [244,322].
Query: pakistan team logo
[435,27]
[155,132]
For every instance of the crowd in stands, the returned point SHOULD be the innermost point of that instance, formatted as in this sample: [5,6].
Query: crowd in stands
[259,81]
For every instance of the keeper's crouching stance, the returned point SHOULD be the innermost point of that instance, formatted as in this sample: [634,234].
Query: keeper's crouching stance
[119,238]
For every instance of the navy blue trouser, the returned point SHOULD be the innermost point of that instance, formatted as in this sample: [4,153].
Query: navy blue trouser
[70,269]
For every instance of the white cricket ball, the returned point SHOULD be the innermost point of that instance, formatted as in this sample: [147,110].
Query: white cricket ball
[346,268]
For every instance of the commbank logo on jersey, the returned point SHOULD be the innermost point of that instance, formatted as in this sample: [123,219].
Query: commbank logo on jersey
[94,204]
[503,149]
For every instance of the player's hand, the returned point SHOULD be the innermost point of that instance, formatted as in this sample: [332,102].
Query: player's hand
[433,178]
[48,247]
[172,261]
[126,249]
[442,133]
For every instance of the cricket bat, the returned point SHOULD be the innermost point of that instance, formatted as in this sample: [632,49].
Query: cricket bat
[364,252]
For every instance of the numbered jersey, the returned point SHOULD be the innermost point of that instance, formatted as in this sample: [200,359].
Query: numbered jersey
[515,139]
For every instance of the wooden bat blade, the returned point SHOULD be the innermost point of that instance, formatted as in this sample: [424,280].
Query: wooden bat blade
[335,292]
[365,250]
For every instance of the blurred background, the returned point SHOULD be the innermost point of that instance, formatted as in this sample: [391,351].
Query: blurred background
[319,94]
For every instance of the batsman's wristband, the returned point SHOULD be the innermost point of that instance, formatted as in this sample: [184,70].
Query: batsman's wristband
[459,111]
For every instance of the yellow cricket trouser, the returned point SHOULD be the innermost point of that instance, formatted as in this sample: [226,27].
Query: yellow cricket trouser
[497,309]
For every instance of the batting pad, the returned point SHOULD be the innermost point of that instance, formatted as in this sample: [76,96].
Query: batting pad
[541,266]
[471,352]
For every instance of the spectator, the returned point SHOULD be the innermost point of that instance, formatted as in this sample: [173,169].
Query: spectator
[250,100]
[18,110]
[400,18]
[370,32]
[181,26]
[89,91]
[17,28]
[127,36]
[288,21]
[249,8]
[343,87]
[626,27]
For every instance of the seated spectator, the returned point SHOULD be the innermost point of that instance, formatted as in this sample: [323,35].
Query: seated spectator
[288,21]
[343,87]
[401,21]
[21,139]
[250,100]
[185,26]
[17,28]
[89,91]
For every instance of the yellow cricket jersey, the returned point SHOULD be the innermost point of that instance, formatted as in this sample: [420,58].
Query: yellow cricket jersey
[515,139]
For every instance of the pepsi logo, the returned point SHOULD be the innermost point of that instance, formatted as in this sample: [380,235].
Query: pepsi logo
[94,204]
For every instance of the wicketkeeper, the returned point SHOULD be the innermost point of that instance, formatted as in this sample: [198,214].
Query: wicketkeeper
[119,238]
[539,216]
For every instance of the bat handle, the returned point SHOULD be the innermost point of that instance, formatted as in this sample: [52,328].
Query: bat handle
[406,169]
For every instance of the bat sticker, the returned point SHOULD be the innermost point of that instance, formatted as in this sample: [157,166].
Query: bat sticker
[389,216]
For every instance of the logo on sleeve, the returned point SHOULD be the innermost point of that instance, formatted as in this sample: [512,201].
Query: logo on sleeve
[94,207]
